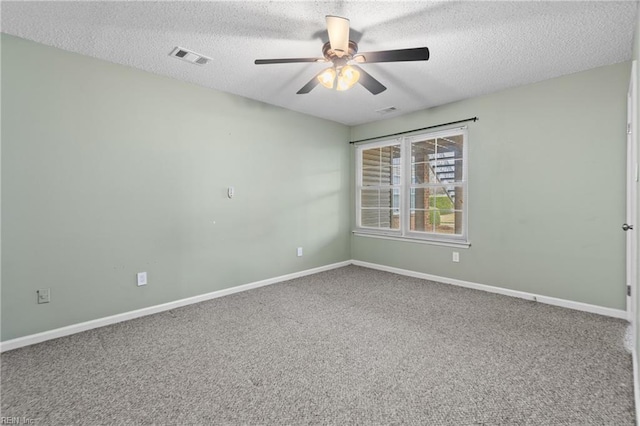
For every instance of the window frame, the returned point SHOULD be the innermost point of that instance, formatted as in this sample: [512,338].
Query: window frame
[379,144]
[404,232]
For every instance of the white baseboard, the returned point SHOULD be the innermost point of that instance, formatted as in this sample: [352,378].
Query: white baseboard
[610,312]
[101,322]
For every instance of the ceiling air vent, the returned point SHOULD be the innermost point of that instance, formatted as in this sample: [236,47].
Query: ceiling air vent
[189,56]
[386,110]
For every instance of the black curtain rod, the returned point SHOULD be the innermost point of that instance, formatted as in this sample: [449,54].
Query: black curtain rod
[417,130]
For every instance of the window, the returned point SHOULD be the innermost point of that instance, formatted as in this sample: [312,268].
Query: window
[414,187]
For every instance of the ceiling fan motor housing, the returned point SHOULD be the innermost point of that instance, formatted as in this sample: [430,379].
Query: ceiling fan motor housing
[331,56]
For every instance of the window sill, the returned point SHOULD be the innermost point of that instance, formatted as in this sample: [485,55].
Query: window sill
[459,244]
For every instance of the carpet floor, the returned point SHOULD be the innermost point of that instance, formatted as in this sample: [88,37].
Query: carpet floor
[347,346]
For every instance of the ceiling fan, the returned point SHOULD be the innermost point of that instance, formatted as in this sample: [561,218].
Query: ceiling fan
[342,53]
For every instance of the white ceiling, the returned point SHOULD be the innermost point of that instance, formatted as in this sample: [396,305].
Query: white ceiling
[476,47]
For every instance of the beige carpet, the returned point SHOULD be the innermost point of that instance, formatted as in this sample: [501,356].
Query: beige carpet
[348,346]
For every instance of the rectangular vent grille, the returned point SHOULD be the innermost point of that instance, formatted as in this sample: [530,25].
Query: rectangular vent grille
[189,56]
[386,110]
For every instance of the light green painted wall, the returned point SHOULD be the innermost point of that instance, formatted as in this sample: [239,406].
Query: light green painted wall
[546,190]
[108,171]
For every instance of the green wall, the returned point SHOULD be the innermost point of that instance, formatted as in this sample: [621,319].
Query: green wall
[546,190]
[108,171]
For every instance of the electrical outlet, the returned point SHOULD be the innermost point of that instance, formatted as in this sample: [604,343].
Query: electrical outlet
[142,278]
[299,251]
[44,295]
[456,256]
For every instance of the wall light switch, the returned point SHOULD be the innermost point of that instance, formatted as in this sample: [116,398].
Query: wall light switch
[230,192]
[299,251]
[456,256]
[44,295]
[142,278]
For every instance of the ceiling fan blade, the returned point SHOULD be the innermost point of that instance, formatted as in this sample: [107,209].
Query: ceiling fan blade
[338,29]
[287,61]
[310,85]
[369,83]
[414,54]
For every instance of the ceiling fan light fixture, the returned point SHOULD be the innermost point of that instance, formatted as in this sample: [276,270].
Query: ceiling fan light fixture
[340,51]
[347,78]
[327,77]
[338,29]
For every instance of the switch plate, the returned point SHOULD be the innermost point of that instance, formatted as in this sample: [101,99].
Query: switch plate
[299,251]
[142,278]
[456,256]
[230,192]
[44,295]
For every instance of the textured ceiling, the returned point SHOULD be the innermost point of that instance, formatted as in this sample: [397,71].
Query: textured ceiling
[476,47]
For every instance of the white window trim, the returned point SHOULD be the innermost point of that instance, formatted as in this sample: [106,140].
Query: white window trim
[364,229]
[404,234]
[458,244]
